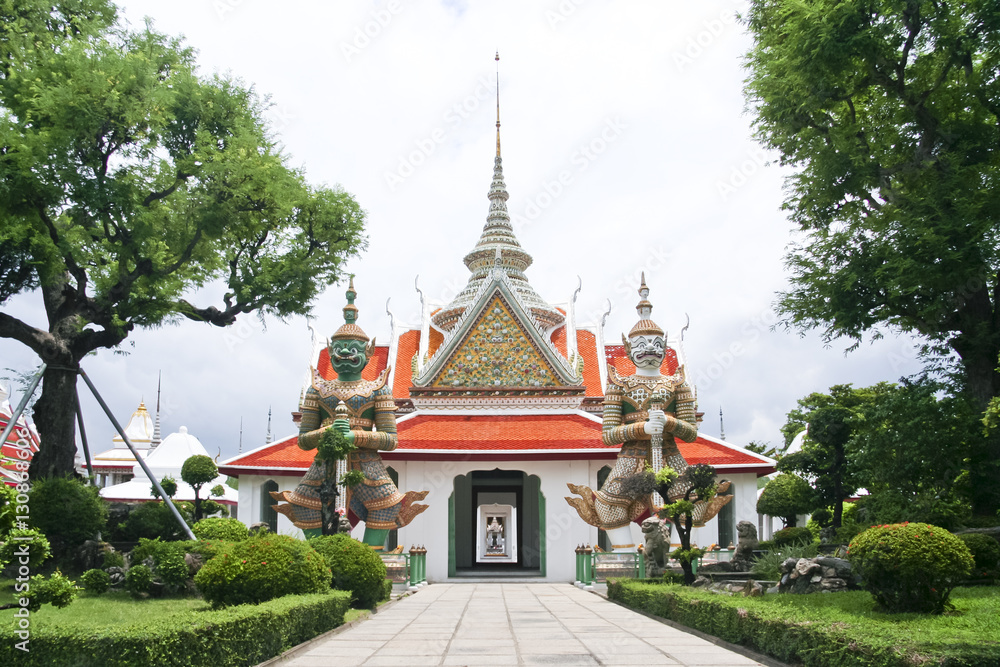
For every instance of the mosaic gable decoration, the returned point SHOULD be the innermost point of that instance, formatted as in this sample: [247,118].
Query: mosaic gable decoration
[497,351]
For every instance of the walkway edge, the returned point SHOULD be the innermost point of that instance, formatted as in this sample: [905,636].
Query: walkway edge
[735,648]
[292,652]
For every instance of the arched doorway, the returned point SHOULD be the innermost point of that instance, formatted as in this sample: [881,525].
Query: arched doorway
[267,513]
[509,501]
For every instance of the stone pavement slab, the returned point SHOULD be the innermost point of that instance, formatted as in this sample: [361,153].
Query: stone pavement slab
[496,624]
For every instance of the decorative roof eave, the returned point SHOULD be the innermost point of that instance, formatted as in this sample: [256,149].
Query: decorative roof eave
[499,280]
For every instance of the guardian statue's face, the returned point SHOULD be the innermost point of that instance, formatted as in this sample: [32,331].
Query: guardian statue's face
[347,356]
[647,351]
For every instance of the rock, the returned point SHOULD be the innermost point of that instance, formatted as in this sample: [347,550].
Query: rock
[816,578]
[117,575]
[721,566]
[194,563]
[806,567]
[258,527]
[789,564]
[774,589]
[841,567]
[90,555]
[701,582]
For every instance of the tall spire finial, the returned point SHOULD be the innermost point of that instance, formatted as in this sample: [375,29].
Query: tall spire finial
[722,425]
[270,438]
[498,103]
[156,426]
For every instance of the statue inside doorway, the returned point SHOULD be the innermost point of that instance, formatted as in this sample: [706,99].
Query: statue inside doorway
[643,414]
[370,425]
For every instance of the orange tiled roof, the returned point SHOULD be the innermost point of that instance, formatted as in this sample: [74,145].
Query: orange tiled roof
[498,435]
[375,365]
[402,380]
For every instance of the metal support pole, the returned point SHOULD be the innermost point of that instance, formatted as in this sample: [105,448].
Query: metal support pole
[83,439]
[142,464]
[23,404]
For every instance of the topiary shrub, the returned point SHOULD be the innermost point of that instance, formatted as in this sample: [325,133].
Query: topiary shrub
[67,511]
[113,559]
[355,566]
[155,520]
[138,579]
[910,567]
[791,536]
[96,581]
[985,551]
[220,528]
[260,569]
[38,547]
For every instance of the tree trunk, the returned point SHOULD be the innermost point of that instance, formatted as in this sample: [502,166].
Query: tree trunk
[55,417]
[979,364]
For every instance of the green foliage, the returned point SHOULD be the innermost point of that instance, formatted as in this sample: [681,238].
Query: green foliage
[333,446]
[155,520]
[665,476]
[218,491]
[261,569]
[57,590]
[887,112]
[985,550]
[786,496]
[169,485]
[823,630]
[355,566]
[768,566]
[130,183]
[796,535]
[198,470]
[67,510]
[138,579]
[231,637]
[113,559]
[171,569]
[38,547]
[8,508]
[220,528]
[95,581]
[888,506]
[910,567]
[687,555]
[352,478]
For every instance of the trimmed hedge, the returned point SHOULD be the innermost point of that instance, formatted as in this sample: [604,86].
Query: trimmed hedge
[805,642]
[220,528]
[355,566]
[232,637]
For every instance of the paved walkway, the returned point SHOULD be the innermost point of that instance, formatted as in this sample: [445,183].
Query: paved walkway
[511,624]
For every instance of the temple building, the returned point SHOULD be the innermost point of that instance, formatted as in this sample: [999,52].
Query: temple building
[499,401]
[115,465]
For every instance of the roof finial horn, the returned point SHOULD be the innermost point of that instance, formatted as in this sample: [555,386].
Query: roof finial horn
[498,103]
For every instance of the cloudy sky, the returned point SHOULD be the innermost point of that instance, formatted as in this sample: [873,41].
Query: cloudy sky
[626,148]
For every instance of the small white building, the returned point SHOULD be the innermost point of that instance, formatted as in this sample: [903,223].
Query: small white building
[167,460]
[115,466]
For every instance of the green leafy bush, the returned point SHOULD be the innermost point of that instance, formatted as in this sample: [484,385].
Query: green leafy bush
[985,550]
[154,519]
[113,559]
[38,547]
[138,579]
[260,569]
[232,637]
[910,567]
[768,566]
[57,590]
[67,511]
[171,570]
[96,581]
[8,508]
[792,535]
[220,528]
[355,566]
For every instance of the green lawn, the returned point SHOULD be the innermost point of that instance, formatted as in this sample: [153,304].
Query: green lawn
[817,628]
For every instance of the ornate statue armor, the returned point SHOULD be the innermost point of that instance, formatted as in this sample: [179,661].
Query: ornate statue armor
[364,411]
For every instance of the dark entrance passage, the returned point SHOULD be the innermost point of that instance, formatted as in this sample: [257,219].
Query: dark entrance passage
[496,525]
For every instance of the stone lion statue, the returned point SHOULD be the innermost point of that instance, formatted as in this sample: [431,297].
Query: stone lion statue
[657,545]
[743,558]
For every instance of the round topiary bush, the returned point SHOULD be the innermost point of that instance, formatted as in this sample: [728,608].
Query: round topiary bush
[96,581]
[792,535]
[355,566]
[138,579]
[220,528]
[38,547]
[260,569]
[985,550]
[910,567]
[68,511]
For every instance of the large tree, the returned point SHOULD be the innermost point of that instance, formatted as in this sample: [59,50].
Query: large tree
[889,113]
[127,182]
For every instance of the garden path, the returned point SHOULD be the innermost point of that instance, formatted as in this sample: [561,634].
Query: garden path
[494,624]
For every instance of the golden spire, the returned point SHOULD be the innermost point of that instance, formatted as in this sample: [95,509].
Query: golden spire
[498,103]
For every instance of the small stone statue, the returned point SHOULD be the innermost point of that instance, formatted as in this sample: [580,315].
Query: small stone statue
[743,558]
[657,545]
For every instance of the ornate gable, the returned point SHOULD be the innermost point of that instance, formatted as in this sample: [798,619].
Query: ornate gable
[497,350]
